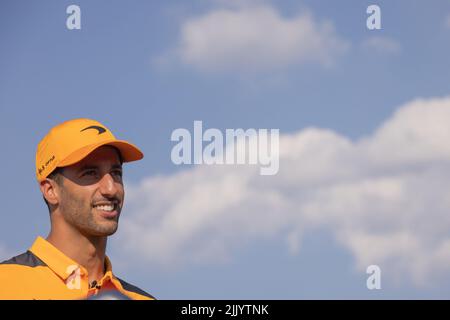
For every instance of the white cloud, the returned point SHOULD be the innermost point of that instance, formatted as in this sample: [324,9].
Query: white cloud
[381,44]
[385,197]
[254,37]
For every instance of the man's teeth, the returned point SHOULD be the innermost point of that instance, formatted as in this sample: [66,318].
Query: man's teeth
[108,207]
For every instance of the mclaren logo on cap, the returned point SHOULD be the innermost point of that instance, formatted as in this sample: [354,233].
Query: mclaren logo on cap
[99,129]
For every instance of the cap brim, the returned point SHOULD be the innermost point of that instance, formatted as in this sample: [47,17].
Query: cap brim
[128,151]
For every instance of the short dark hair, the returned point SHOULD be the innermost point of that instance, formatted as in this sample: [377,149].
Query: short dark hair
[55,175]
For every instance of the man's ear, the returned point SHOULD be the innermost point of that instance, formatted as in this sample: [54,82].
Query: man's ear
[50,191]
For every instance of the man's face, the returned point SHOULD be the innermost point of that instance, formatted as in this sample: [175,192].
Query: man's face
[92,193]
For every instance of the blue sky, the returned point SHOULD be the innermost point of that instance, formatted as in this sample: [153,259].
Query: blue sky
[137,68]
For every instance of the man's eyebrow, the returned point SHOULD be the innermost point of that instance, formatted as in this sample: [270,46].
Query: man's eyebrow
[87,167]
[94,167]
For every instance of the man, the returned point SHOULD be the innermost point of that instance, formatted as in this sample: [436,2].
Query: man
[79,170]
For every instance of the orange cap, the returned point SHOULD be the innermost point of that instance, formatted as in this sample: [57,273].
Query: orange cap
[71,141]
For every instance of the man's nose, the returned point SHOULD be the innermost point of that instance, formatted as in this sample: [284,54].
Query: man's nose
[108,186]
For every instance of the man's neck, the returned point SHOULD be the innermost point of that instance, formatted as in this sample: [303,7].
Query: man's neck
[88,251]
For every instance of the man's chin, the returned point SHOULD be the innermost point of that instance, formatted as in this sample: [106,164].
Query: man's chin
[105,229]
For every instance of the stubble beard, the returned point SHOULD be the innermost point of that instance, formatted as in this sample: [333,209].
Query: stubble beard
[80,214]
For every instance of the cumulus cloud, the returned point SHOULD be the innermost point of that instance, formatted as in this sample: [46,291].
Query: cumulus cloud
[381,44]
[255,37]
[384,197]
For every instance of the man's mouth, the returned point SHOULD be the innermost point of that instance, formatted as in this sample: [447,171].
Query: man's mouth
[107,209]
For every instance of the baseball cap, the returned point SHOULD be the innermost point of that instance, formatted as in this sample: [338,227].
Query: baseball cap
[71,141]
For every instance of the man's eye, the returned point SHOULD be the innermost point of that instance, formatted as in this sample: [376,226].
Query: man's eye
[117,173]
[90,173]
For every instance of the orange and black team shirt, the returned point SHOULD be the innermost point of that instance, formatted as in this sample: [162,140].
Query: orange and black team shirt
[44,272]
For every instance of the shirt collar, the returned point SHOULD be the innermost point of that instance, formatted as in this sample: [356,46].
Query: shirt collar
[58,262]
[108,269]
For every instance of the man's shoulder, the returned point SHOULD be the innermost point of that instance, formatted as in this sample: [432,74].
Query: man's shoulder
[133,289]
[20,276]
[26,259]
[21,268]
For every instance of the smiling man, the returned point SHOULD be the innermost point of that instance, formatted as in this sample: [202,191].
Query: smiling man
[79,170]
